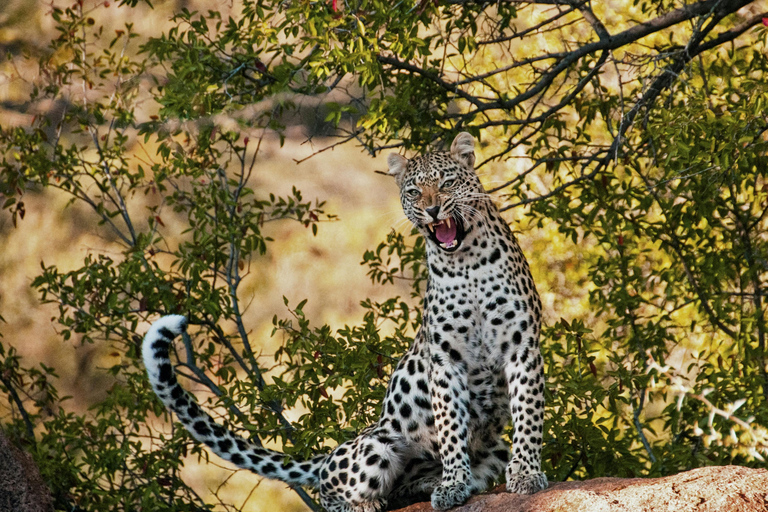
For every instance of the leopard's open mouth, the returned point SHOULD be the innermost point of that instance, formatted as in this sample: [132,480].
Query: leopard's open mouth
[447,234]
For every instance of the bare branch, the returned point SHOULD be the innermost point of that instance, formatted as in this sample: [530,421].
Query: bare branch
[520,35]
[606,42]
[20,405]
[597,25]
[331,146]
[431,75]
[660,84]
[733,33]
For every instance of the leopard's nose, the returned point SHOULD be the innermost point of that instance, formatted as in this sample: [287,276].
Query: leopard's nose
[433,211]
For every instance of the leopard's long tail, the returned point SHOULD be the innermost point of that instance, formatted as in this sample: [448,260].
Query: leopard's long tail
[226,444]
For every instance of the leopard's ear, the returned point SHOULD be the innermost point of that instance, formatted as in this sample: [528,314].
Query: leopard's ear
[463,149]
[397,166]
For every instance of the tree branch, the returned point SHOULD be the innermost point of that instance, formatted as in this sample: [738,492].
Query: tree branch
[20,405]
[597,25]
[661,83]
[430,75]
[520,35]
[606,42]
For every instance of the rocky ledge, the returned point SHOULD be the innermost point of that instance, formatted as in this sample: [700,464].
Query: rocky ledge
[709,489]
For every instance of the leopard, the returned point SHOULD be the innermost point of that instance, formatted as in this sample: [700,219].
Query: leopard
[474,365]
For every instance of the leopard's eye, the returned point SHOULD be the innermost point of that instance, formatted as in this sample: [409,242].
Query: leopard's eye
[413,193]
[448,183]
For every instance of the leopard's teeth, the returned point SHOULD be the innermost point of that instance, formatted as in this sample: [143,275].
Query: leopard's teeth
[448,222]
[450,245]
[431,227]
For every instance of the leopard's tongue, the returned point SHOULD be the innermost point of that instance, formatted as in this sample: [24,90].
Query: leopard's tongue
[444,233]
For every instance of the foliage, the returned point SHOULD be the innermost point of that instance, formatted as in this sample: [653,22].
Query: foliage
[642,136]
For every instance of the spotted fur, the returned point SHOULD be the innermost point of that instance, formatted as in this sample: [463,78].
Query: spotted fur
[474,365]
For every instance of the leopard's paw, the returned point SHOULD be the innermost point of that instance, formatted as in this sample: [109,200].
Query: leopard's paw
[526,484]
[448,496]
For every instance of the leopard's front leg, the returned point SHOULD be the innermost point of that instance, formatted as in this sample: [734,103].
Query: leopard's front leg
[525,375]
[450,404]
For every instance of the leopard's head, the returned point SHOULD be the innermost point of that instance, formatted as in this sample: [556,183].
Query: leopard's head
[440,191]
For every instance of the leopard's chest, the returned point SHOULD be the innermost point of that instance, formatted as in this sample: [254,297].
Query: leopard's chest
[481,302]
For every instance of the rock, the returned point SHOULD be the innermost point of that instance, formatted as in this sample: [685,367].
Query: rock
[21,487]
[709,489]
